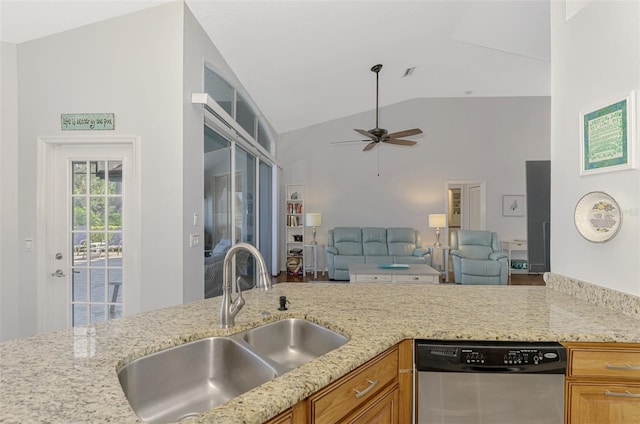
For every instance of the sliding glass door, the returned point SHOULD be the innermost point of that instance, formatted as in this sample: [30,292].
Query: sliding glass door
[245,212]
[265,208]
[217,209]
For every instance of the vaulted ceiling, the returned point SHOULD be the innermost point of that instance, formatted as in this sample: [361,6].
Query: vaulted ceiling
[308,61]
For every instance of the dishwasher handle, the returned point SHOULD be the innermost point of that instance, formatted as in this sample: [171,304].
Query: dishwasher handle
[494,369]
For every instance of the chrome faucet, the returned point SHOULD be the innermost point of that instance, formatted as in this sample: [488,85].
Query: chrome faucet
[229,309]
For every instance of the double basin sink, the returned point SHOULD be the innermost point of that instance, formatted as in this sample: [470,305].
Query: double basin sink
[186,380]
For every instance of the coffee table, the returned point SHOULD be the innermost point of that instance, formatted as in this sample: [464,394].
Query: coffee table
[372,273]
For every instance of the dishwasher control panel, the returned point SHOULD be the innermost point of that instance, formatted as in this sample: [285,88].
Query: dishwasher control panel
[476,356]
[507,356]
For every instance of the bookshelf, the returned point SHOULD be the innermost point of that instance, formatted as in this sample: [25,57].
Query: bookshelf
[294,224]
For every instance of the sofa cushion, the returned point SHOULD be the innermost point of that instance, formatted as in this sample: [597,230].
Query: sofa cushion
[348,240]
[476,252]
[372,259]
[409,260]
[481,267]
[343,261]
[401,241]
[374,241]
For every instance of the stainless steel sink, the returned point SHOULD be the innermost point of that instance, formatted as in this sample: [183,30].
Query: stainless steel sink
[293,342]
[186,380]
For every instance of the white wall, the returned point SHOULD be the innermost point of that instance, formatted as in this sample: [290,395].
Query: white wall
[11,295]
[142,67]
[595,58]
[198,50]
[130,66]
[487,139]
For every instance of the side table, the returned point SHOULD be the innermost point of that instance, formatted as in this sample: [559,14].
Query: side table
[313,266]
[512,246]
[443,266]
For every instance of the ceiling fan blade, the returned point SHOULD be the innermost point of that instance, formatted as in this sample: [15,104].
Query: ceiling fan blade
[400,142]
[370,146]
[405,133]
[366,134]
[349,141]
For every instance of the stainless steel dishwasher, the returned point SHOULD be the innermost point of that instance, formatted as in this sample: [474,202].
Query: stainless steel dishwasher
[490,382]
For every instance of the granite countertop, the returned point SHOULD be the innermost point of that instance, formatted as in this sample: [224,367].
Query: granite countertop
[70,376]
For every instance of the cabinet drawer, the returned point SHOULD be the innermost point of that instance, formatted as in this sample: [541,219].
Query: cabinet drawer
[619,363]
[433,279]
[374,278]
[337,400]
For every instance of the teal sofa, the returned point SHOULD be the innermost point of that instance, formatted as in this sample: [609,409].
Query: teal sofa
[356,245]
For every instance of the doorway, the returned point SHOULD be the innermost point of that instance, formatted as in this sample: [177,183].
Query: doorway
[465,206]
[86,266]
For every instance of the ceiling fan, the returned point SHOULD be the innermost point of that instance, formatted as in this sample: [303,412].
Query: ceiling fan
[378,134]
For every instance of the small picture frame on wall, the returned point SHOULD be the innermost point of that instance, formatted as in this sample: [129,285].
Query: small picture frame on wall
[513,205]
[607,139]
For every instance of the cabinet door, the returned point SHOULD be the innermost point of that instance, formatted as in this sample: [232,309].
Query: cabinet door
[383,409]
[285,417]
[604,403]
[356,389]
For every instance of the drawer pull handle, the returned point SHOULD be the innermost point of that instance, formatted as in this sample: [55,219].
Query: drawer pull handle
[626,394]
[622,367]
[372,384]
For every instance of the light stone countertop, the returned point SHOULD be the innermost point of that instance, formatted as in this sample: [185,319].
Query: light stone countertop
[70,376]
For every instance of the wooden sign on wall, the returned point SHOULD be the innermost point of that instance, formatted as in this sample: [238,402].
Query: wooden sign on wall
[87,121]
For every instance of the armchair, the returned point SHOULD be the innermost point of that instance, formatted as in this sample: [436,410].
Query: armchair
[477,258]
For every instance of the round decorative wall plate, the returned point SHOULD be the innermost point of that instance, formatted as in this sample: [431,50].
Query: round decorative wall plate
[598,217]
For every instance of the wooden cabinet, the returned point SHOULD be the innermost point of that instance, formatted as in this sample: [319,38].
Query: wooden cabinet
[342,398]
[285,417]
[378,392]
[603,383]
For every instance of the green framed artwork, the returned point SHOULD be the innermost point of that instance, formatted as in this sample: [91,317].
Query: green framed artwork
[607,137]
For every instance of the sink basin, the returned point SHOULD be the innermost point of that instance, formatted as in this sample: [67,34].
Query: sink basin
[292,342]
[186,380]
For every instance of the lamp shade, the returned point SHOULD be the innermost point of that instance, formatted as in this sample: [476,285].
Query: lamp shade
[437,220]
[313,219]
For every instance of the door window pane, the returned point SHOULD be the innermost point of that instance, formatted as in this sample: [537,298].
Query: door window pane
[219,90]
[245,116]
[97,264]
[263,137]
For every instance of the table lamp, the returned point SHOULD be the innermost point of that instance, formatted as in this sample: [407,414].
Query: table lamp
[437,221]
[313,219]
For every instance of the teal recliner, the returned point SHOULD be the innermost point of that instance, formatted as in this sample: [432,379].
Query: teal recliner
[477,258]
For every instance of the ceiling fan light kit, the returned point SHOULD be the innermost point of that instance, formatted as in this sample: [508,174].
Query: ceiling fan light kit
[377,134]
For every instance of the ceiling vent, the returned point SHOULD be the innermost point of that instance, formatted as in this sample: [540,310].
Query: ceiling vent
[409,72]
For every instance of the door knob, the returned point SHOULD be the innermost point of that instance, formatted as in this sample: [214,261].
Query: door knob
[58,273]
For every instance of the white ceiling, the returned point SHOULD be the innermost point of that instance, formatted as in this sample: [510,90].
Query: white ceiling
[307,61]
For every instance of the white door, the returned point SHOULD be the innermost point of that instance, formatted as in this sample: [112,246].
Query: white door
[475,200]
[89,209]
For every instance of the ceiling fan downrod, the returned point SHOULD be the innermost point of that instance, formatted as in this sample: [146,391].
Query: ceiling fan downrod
[376,69]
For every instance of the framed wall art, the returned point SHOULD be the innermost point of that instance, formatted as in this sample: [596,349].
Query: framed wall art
[607,138]
[513,205]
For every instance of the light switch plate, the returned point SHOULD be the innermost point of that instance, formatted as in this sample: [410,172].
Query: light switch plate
[194,240]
